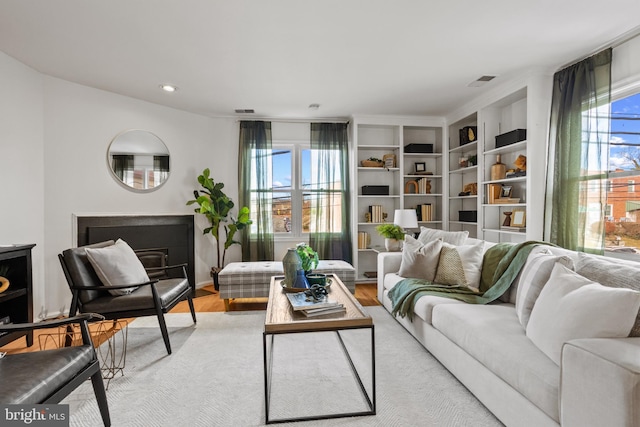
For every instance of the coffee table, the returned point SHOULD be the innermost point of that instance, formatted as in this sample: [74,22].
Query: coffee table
[281,319]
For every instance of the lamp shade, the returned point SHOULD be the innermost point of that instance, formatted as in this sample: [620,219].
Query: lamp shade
[405,218]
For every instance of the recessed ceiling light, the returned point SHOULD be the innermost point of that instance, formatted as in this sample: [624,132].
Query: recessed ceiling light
[168,88]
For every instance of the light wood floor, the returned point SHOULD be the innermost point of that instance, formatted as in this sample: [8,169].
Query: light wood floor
[207,300]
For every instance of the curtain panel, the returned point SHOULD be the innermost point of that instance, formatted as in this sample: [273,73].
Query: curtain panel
[254,171]
[578,155]
[330,197]
[122,165]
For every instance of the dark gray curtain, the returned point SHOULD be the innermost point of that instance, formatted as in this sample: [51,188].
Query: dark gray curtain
[330,200]
[578,155]
[161,163]
[255,189]
[122,164]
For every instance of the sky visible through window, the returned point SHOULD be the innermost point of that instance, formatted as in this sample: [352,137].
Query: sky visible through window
[625,133]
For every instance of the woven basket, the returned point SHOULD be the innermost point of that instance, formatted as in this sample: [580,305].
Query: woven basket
[371,164]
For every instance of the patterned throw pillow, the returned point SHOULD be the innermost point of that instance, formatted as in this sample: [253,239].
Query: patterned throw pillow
[460,265]
[612,273]
[419,261]
[534,275]
[456,238]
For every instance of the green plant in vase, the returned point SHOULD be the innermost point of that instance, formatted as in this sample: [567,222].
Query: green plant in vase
[393,235]
[216,206]
[308,256]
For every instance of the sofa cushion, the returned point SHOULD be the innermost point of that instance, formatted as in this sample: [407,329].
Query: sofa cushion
[452,237]
[493,335]
[420,260]
[535,273]
[460,265]
[117,265]
[424,305]
[600,269]
[571,306]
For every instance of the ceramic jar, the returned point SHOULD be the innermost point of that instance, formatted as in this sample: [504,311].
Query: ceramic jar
[291,263]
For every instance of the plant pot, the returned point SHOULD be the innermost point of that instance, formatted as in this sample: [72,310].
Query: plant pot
[214,275]
[392,245]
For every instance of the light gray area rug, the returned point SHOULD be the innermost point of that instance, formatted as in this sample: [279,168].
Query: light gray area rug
[215,378]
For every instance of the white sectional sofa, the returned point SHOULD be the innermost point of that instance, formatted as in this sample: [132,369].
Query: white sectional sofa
[596,381]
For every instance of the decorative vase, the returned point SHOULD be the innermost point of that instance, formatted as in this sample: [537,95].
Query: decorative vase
[392,245]
[291,263]
[507,219]
[301,280]
[498,170]
[428,190]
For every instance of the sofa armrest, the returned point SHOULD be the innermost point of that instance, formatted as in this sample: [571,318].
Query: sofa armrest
[388,262]
[600,382]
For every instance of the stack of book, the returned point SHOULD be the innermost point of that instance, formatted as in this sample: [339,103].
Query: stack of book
[422,185]
[376,213]
[424,212]
[302,303]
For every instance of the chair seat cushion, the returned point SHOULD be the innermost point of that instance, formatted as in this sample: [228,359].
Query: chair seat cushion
[141,299]
[30,378]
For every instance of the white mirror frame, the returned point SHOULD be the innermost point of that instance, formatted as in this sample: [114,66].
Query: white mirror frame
[140,147]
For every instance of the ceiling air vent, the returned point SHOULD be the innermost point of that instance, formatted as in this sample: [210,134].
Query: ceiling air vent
[481,81]
[245,110]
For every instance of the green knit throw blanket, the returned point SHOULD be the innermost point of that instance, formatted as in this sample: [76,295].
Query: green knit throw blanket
[500,266]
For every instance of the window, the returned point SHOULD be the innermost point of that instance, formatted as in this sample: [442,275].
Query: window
[623,230]
[299,192]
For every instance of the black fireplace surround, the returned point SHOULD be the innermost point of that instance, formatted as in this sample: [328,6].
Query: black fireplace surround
[172,234]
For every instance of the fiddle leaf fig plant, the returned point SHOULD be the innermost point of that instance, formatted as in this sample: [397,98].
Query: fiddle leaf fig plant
[216,206]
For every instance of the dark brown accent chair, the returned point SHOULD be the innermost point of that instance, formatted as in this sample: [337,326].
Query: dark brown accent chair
[152,298]
[48,376]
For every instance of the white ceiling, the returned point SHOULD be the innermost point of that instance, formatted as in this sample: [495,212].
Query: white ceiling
[400,57]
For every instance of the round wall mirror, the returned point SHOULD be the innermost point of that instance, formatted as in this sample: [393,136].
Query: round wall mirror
[139,160]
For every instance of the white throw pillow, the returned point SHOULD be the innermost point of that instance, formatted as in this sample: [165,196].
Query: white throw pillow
[117,265]
[419,261]
[456,238]
[534,275]
[460,265]
[571,306]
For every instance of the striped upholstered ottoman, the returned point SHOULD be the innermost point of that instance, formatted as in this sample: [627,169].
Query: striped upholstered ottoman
[252,279]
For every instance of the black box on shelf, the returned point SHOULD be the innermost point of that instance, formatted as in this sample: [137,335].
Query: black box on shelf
[375,190]
[468,216]
[468,134]
[511,137]
[418,148]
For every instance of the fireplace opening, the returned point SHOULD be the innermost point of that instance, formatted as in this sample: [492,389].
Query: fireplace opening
[157,239]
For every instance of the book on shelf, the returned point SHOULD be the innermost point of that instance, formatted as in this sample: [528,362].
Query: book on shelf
[376,213]
[301,301]
[424,212]
[322,311]
[507,200]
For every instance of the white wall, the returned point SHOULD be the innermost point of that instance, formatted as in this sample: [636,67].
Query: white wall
[79,124]
[22,209]
[625,66]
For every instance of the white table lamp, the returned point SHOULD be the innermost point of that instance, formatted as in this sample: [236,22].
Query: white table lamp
[406,218]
